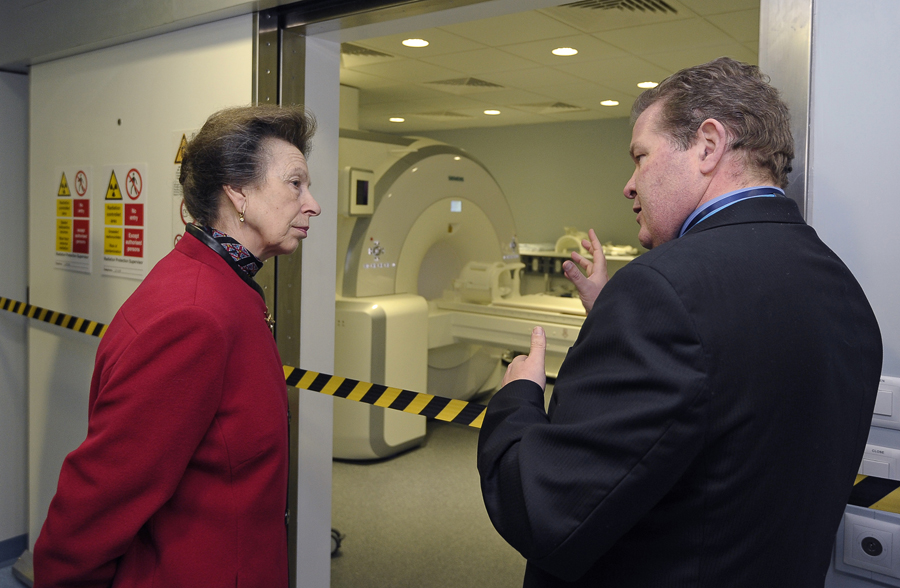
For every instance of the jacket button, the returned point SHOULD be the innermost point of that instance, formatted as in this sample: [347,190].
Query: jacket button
[287,517]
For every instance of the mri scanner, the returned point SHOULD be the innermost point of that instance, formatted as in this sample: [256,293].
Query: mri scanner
[428,285]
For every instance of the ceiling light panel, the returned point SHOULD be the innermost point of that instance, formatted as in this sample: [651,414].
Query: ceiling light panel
[439,43]
[589,48]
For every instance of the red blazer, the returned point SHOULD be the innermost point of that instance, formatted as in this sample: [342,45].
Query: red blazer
[182,479]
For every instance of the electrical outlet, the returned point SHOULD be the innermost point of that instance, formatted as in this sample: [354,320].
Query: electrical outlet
[868,545]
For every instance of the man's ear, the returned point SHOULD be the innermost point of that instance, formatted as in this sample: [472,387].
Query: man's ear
[712,142]
[236,196]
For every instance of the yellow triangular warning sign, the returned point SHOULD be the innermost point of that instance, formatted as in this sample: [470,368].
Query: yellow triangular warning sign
[113,192]
[63,187]
[180,155]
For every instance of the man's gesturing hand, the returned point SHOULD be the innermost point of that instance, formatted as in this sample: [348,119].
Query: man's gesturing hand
[588,287]
[531,366]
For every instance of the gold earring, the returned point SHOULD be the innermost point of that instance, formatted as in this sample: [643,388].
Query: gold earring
[241,213]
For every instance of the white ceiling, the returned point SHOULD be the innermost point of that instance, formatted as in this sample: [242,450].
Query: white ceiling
[512,69]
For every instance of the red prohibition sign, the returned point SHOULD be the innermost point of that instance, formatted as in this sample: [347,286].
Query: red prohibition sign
[81,183]
[133,184]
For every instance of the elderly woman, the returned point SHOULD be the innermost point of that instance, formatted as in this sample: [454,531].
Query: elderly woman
[182,479]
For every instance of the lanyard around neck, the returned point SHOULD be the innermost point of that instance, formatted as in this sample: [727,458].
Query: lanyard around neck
[721,202]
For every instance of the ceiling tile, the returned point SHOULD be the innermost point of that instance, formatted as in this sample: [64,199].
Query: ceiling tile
[409,70]
[512,28]
[623,73]
[358,79]
[393,93]
[503,98]
[480,61]
[676,60]
[743,26]
[409,107]
[706,7]
[529,79]
[673,36]
[585,93]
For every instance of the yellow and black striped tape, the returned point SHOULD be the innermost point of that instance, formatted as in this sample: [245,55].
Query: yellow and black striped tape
[55,318]
[443,409]
[437,407]
[876,493]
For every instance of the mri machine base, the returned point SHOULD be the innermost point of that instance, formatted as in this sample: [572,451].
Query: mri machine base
[384,340]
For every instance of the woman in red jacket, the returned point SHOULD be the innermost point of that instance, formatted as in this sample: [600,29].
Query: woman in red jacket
[182,479]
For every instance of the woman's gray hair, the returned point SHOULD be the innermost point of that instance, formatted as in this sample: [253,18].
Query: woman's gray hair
[230,150]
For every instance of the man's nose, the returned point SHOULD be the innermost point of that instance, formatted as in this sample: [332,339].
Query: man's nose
[630,191]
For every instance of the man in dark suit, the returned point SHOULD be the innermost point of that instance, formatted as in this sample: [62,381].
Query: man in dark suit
[706,427]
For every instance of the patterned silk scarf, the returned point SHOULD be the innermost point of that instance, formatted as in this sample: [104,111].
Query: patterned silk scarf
[248,262]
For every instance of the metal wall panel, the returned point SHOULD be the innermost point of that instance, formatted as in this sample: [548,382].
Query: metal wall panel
[785,41]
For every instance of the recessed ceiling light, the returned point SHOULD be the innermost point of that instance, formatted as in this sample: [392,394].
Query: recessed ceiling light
[456,158]
[415,43]
[397,119]
[492,112]
[564,51]
[647,85]
[610,103]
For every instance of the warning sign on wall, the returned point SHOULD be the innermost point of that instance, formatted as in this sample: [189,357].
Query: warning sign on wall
[72,245]
[124,203]
[180,216]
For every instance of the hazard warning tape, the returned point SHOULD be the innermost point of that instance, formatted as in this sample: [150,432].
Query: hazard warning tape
[443,409]
[876,493]
[55,318]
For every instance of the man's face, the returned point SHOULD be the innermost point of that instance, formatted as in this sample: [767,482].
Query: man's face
[666,184]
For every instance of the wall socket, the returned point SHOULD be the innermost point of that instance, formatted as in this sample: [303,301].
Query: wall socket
[868,545]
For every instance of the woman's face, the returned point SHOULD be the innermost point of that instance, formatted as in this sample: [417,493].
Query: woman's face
[277,211]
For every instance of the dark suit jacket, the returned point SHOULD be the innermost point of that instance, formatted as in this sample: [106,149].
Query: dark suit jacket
[182,480]
[705,428]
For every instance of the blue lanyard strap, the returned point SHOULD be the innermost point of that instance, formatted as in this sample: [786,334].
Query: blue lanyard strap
[721,202]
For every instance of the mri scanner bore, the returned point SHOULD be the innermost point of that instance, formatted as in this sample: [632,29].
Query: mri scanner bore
[428,285]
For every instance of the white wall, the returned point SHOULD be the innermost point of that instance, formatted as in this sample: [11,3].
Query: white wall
[558,174]
[854,175]
[854,178]
[156,87]
[13,377]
